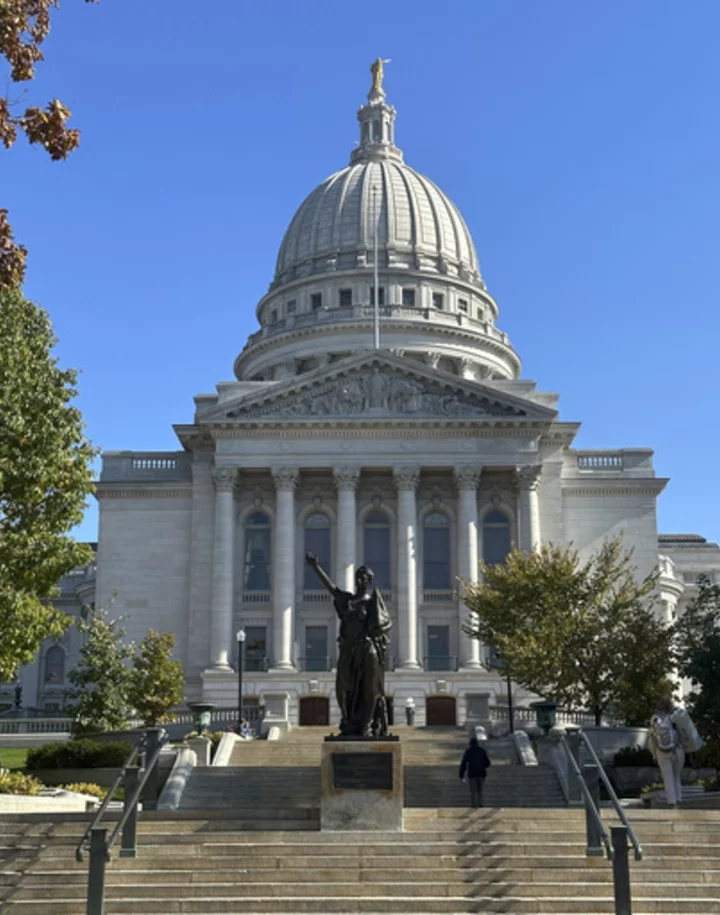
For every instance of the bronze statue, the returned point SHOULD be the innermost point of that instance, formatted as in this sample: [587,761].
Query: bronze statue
[378,71]
[363,643]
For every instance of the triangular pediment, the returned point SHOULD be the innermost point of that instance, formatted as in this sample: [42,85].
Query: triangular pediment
[379,387]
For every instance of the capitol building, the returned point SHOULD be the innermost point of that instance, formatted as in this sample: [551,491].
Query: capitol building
[379,416]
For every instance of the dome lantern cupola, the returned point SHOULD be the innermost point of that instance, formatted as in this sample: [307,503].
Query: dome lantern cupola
[377,123]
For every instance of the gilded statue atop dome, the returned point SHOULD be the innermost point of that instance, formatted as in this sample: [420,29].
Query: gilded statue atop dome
[378,71]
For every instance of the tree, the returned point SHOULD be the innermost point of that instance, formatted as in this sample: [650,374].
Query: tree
[45,476]
[585,635]
[24,26]
[101,679]
[698,644]
[157,683]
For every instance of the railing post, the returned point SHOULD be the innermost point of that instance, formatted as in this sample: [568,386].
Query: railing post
[152,785]
[128,846]
[574,790]
[594,837]
[96,872]
[621,870]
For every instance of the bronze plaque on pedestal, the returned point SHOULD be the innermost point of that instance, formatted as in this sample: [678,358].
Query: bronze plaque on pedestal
[362,771]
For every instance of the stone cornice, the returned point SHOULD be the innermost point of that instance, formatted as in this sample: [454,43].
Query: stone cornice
[615,487]
[369,430]
[131,491]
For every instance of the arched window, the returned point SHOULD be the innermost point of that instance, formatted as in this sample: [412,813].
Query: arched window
[436,552]
[257,552]
[376,548]
[55,665]
[496,537]
[317,541]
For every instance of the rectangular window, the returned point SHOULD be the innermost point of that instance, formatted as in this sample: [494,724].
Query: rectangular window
[345,298]
[316,301]
[462,305]
[273,316]
[257,559]
[292,306]
[381,295]
[408,297]
[436,566]
[255,648]
[438,648]
[377,554]
[480,314]
[316,648]
[438,300]
[317,540]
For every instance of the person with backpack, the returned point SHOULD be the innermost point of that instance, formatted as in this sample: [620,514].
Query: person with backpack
[475,762]
[667,750]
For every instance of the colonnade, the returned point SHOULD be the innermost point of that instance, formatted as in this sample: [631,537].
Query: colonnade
[406,479]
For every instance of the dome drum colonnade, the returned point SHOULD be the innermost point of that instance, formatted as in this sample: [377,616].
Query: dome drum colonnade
[285,479]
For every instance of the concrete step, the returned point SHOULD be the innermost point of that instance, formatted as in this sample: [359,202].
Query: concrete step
[641,876]
[509,902]
[362,890]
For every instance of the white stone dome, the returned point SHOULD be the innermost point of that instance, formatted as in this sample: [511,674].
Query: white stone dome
[377,222]
[418,225]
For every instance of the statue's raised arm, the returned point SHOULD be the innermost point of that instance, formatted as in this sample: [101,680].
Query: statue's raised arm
[312,561]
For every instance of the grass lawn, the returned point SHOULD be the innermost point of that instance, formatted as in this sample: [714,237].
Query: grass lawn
[13,757]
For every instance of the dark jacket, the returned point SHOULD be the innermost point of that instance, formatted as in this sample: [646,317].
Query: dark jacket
[475,761]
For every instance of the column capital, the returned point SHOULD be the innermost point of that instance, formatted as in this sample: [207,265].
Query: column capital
[528,477]
[467,476]
[346,478]
[224,478]
[285,478]
[406,478]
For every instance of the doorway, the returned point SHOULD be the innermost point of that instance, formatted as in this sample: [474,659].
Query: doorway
[440,711]
[314,711]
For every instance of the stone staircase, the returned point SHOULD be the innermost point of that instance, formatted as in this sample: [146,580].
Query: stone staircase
[447,861]
[280,780]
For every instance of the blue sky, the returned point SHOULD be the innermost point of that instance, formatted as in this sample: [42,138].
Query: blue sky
[580,141]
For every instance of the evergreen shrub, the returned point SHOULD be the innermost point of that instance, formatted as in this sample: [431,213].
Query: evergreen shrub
[78,754]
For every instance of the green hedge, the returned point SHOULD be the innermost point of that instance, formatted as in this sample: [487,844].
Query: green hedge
[78,754]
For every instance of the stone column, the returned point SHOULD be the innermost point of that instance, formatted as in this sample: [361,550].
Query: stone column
[346,481]
[528,481]
[285,479]
[466,479]
[406,480]
[221,606]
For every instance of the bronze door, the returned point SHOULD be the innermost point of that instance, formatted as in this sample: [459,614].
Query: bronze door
[440,711]
[314,710]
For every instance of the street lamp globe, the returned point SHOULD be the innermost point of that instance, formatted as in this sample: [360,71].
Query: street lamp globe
[241,635]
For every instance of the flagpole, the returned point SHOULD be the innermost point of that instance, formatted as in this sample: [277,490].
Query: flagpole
[376,296]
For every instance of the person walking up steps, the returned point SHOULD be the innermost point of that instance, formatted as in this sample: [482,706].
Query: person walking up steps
[475,762]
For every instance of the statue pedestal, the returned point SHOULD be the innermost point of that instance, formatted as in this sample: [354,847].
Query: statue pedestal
[362,784]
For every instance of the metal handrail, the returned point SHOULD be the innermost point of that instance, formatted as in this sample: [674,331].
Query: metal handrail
[589,802]
[132,804]
[613,797]
[139,744]
[129,806]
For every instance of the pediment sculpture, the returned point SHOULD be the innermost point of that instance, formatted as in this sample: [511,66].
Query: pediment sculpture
[378,392]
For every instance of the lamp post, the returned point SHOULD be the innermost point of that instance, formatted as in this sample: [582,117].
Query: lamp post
[241,658]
